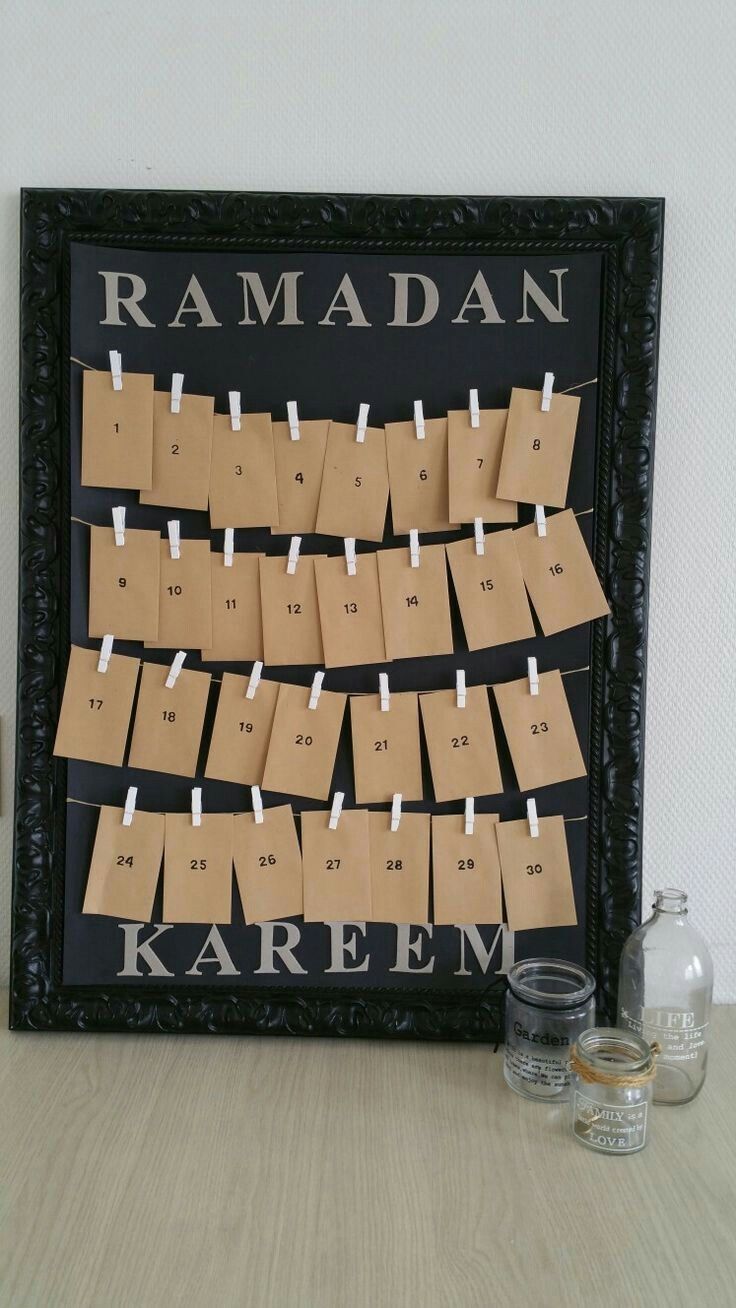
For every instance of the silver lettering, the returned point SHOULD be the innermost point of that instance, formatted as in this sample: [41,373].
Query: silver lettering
[287,282]
[114,301]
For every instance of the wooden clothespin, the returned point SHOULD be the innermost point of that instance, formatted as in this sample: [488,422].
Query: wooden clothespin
[474,409]
[253,680]
[116,369]
[105,653]
[234,402]
[540,519]
[350,555]
[293,559]
[228,548]
[118,523]
[414,547]
[549,381]
[384,692]
[395,812]
[419,420]
[175,669]
[480,536]
[177,386]
[316,690]
[174,538]
[460,688]
[129,810]
[362,423]
[197,806]
[531,665]
[533,820]
[469,816]
[257,803]
[292,414]
[336,809]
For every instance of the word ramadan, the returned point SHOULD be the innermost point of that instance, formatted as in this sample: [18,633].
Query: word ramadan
[126,292]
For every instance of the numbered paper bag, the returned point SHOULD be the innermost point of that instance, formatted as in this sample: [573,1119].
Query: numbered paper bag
[96,708]
[303,744]
[386,752]
[354,493]
[540,731]
[417,475]
[268,865]
[299,475]
[117,430]
[169,720]
[241,731]
[292,633]
[125,866]
[490,591]
[537,450]
[350,611]
[415,603]
[198,868]
[473,460]
[185,597]
[461,744]
[336,867]
[124,584]
[399,868]
[182,447]
[537,882]
[559,574]
[243,473]
[466,876]
[237,634]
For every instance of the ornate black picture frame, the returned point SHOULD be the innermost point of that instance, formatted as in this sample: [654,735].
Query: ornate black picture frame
[627,233]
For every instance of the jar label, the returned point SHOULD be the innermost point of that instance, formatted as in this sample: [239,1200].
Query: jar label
[674,1030]
[614,1130]
[537,1069]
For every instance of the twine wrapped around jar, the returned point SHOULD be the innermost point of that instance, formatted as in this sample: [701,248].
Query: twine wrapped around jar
[597,1076]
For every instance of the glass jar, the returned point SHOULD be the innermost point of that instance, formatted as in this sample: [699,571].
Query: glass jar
[548,1004]
[612,1078]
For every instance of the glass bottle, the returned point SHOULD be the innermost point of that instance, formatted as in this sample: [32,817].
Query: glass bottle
[548,1003]
[612,1073]
[664,994]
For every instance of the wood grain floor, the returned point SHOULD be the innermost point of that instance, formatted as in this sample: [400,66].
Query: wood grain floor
[240,1173]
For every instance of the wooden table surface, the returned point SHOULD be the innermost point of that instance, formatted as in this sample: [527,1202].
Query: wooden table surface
[142,1171]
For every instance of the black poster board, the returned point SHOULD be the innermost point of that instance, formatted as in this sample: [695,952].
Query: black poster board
[575,290]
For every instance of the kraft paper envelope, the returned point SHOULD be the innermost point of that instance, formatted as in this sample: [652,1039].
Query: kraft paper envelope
[237,633]
[473,459]
[540,731]
[537,882]
[350,612]
[303,744]
[490,591]
[268,865]
[399,868]
[126,862]
[292,633]
[117,430]
[243,473]
[185,597]
[169,720]
[124,584]
[182,447]
[96,708]
[417,475]
[337,867]
[537,450]
[461,744]
[241,731]
[559,574]
[465,871]
[299,475]
[415,603]
[354,493]
[386,752]
[198,868]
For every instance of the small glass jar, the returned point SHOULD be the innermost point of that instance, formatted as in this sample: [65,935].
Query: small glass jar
[612,1079]
[548,1004]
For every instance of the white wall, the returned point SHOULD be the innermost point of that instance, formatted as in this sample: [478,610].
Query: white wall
[481,96]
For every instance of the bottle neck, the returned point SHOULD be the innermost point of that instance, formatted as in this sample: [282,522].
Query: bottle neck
[671,902]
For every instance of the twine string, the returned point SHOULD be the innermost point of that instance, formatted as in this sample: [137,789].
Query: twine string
[598,1076]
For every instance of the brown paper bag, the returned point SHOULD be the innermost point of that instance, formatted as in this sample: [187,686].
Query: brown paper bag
[169,721]
[126,861]
[303,744]
[96,708]
[417,476]
[559,575]
[386,752]
[117,430]
[124,584]
[241,731]
[399,868]
[474,458]
[490,591]
[537,450]
[290,612]
[243,473]
[540,731]
[299,475]
[198,867]
[466,876]
[237,634]
[415,603]
[182,446]
[350,612]
[537,882]
[354,493]
[461,744]
[268,865]
[337,867]
[185,597]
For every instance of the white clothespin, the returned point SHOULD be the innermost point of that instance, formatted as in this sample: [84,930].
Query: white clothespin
[118,524]
[197,806]
[414,547]
[480,536]
[384,692]
[175,669]
[362,423]
[460,688]
[105,652]
[533,820]
[254,679]
[257,802]
[293,559]
[395,812]
[177,386]
[474,409]
[336,809]
[130,799]
[350,555]
[292,414]
[533,676]
[316,690]
[116,368]
[469,815]
[174,538]
[549,381]
[228,548]
[234,401]
[540,519]
[419,419]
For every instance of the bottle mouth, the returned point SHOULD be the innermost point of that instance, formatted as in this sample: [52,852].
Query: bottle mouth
[551,982]
[670,900]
